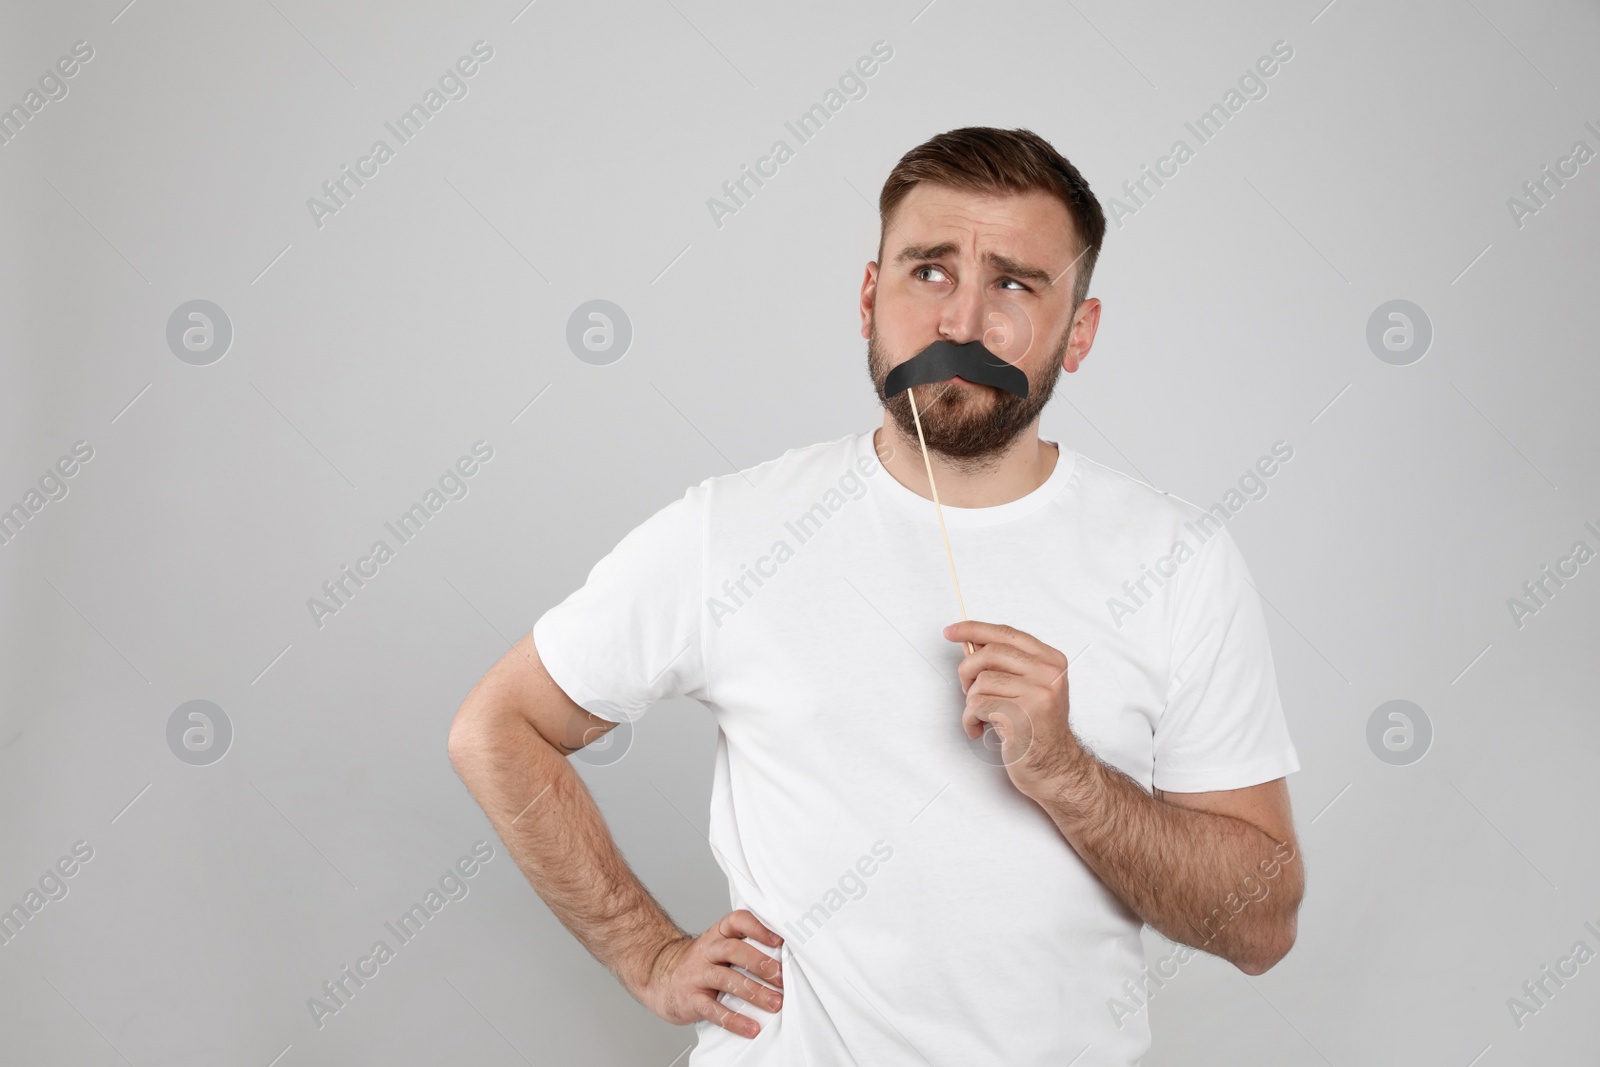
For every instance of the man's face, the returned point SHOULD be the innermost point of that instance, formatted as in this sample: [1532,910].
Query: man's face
[965,266]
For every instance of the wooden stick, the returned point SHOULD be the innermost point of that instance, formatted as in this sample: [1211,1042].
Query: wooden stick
[927,463]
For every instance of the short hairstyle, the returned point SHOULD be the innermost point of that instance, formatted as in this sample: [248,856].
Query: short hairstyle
[983,159]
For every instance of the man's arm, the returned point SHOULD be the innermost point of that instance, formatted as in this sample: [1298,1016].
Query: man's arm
[1220,871]
[509,742]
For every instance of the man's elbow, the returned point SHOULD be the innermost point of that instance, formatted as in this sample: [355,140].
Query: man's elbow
[1275,951]
[1279,940]
[469,737]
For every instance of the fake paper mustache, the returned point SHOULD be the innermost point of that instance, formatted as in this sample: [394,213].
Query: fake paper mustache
[942,360]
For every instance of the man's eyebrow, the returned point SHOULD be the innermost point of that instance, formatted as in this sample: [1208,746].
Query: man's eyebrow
[924,253]
[918,253]
[1018,271]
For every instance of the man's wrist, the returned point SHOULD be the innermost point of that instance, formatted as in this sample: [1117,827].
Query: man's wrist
[639,966]
[1074,792]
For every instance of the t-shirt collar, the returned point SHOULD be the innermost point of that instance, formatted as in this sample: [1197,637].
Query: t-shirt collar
[889,489]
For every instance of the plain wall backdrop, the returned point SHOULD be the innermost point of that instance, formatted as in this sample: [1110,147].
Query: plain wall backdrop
[373,346]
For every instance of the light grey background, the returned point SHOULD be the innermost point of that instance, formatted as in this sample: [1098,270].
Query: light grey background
[368,354]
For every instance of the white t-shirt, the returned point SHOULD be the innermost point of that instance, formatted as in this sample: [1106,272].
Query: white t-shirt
[932,913]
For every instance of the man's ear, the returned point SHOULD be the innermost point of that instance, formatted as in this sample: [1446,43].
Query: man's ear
[869,296]
[1084,324]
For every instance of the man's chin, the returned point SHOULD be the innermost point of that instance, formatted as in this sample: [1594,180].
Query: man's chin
[951,438]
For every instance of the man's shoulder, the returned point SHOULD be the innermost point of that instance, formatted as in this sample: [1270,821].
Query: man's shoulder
[796,471]
[1130,502]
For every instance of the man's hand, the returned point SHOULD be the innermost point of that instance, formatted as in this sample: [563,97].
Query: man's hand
[1171,861]
[689,972]
[1019,684]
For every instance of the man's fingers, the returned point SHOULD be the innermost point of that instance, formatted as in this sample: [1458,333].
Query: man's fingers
[993,683]
[709,1007]
[1011,721]
[747,956]
[721,976]
[1000,658]
[987,633]
[746,989]
[742,923]
[991,709]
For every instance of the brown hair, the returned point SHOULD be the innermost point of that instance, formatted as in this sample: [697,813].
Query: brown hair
[983,159]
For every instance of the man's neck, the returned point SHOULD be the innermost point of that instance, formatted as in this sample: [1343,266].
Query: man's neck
[1008,476]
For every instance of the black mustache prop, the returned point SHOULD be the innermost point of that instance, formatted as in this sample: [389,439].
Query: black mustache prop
[942,360]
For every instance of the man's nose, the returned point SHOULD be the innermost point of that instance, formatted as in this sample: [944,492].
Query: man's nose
[962,316]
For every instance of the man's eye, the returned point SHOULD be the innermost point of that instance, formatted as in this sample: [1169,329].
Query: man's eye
[918,272]
[1018,284]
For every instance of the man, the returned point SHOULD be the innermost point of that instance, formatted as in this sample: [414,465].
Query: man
[940,843]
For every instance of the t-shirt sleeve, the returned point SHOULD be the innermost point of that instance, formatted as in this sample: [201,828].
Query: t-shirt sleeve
[631,635]
[1223,726]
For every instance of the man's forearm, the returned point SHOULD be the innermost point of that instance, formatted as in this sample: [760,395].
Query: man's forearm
[552,828]
[1211,881]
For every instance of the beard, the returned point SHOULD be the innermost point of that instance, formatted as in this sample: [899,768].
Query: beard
[968,424]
